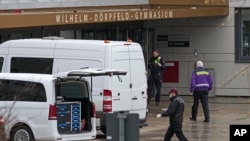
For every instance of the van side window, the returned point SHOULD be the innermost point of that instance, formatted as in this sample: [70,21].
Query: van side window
[1,63]
[31,65]
[26,91]
[4,85]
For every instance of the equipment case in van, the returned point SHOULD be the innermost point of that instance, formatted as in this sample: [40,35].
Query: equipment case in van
[69,117]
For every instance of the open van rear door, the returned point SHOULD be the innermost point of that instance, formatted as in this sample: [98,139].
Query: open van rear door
[76,94]
[90,72]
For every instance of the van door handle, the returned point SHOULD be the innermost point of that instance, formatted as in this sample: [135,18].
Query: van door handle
[134,98]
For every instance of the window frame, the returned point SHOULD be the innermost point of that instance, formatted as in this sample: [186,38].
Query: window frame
[238,38]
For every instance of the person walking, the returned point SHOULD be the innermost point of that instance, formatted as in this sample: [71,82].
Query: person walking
[175,112]
[200,85]
[156,67]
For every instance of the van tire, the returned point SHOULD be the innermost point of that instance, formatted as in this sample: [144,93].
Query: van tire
[22,132]
[103,124]
[103,129]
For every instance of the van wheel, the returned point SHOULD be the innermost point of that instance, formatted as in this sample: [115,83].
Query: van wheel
[103,124]
[103,129]
[21,133]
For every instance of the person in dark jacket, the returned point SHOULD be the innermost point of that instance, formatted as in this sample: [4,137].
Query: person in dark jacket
[175,112]
[200,85]
[156,67]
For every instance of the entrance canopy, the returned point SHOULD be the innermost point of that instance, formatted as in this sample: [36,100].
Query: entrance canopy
[24,16]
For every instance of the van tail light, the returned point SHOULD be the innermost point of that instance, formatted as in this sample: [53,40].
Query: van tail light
[93,110]
[107,101]
[52,112]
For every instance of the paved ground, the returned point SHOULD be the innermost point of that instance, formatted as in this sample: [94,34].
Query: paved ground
[224,111]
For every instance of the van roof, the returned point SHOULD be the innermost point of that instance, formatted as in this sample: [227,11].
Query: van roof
[26,76]
[96,45]
[101,42]
[77,73]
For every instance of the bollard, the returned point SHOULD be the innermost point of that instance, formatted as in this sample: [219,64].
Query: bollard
[122,126]
[122,117]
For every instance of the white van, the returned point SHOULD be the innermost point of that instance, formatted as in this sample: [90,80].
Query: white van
[49,107]
[53,55]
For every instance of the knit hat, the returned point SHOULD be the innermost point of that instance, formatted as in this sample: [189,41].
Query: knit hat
[173,90]
[199,64]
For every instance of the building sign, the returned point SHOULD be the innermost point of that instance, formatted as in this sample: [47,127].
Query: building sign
[173,41]
[36,19]
[92,17]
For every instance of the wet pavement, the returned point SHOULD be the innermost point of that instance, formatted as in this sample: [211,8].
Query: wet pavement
[224,111]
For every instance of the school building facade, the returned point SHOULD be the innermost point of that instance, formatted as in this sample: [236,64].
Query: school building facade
[184,31]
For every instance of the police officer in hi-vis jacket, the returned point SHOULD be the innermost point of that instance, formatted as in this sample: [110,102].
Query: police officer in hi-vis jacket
[156,67]
[201,83]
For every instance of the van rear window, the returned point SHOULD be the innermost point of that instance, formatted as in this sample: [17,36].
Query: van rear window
[15,90]
[31,65]
[72,89]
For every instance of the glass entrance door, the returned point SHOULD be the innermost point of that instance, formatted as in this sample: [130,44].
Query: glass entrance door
[123,32]
[143,36]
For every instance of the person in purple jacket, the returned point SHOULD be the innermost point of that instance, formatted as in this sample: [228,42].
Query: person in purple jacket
[201,83]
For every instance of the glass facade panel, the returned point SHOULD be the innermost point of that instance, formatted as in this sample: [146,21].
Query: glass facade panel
[242,35]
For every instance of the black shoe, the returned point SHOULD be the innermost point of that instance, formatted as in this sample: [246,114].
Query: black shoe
[193,119]
[206,120]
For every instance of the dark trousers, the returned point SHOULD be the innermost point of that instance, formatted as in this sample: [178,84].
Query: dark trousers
[203,96]
[177,129]
[154,80]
